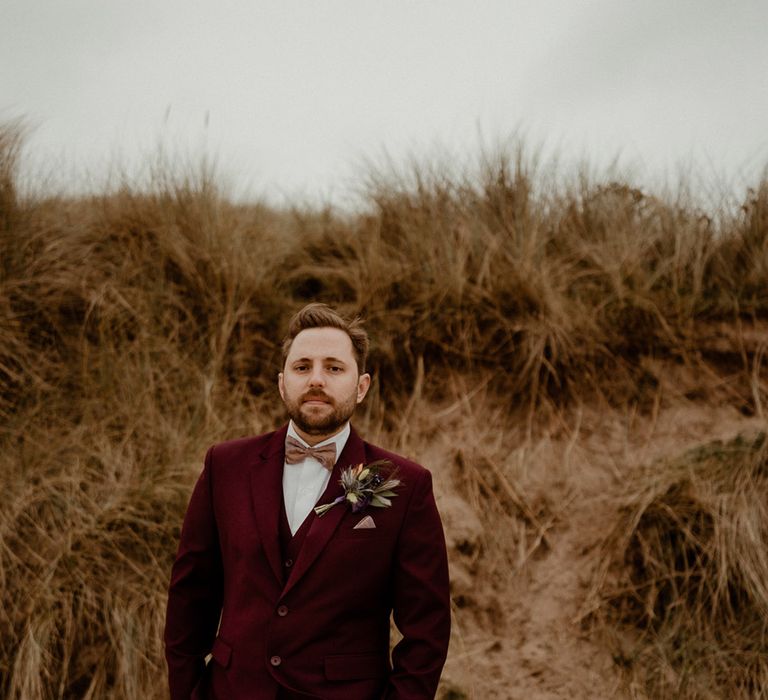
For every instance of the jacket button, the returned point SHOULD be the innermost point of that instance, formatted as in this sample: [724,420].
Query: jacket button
[275,661]
[288,563]
[282,611]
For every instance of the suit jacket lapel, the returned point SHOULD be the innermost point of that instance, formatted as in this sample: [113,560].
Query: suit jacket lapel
[267,494]
[322,528]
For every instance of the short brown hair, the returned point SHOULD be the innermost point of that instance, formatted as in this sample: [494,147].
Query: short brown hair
[318,315]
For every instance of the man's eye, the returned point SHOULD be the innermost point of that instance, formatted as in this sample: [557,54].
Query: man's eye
[333,368]
[300,368]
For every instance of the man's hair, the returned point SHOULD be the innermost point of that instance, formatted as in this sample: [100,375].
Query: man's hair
[318,315]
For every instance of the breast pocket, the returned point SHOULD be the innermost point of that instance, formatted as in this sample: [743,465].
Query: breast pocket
[349,533]
[365,525]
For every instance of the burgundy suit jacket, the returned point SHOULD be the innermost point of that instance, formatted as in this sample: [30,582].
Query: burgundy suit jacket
[323,628]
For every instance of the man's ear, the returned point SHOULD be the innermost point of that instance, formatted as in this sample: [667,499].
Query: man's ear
[281,385]
[363,384]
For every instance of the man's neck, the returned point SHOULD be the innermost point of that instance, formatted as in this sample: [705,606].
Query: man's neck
[313,439]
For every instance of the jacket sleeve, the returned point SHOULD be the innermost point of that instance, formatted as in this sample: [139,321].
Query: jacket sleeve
[195,592]
[421,600]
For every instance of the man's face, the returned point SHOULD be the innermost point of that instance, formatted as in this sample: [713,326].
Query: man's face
[320,384]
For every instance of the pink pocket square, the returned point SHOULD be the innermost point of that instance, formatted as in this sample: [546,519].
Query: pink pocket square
[365,524]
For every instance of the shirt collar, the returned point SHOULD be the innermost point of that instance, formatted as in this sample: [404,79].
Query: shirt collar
[340,439]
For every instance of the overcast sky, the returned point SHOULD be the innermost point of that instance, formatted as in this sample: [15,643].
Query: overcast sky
[290,97]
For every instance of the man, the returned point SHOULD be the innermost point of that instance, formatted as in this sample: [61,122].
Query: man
[291,604]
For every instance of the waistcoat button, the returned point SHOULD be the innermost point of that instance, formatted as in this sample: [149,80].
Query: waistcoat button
[275,661]
[282,610]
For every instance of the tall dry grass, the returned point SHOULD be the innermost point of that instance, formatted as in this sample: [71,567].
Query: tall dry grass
[684,582]
[140,325]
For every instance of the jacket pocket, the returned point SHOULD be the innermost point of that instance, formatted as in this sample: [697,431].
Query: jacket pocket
[359,535]
[350,667]
[221,652]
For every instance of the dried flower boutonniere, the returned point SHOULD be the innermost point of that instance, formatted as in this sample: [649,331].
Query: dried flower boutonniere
[364,485]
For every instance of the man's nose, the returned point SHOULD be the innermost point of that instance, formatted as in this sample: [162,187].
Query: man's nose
[316,377]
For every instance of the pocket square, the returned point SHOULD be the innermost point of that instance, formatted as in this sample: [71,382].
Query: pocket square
[365,524]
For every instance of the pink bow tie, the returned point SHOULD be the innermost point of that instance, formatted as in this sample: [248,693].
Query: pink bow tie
[296,452]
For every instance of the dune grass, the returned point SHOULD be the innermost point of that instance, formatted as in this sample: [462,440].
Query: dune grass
[685,574]
[140,325]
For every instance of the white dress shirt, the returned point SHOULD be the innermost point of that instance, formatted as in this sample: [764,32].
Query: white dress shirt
[305,481]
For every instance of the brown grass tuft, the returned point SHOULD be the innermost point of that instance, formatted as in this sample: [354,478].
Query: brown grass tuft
[685,574]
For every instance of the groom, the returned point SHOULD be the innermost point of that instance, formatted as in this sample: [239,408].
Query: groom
[291,604]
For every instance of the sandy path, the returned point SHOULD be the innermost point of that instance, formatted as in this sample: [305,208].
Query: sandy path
[516,633]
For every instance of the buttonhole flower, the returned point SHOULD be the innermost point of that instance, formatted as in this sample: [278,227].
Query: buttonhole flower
[365,485]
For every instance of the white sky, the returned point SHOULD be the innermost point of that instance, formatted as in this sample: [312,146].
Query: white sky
[290,97]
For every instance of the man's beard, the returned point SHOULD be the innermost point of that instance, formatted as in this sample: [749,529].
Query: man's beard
[326,423]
